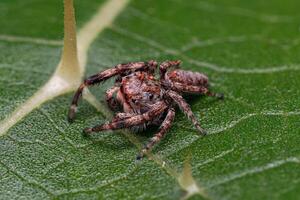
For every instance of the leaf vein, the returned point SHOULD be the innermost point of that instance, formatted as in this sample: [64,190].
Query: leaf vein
[252,171]
[27,180]
[211,66]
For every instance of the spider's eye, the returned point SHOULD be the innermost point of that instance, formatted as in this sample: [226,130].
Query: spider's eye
[151,96]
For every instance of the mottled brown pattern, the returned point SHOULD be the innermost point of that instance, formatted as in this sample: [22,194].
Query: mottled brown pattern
[112,103]
[146,100]
[165,126]
[185,107]
[187,78]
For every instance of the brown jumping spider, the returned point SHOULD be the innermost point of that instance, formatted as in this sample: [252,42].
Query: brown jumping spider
[145,99]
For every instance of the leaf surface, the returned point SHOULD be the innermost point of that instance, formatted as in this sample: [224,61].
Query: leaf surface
[250,51]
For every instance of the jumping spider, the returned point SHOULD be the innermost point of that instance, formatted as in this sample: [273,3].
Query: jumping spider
[145,99]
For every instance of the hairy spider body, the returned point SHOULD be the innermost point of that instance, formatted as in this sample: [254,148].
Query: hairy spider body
[145,99]
[141,91]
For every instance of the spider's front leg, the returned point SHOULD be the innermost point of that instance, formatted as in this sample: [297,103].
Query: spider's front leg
[123,115]
[165,126]
[102,76]
[127,122]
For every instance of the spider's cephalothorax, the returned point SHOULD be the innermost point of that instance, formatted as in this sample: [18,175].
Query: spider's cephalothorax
[145,99]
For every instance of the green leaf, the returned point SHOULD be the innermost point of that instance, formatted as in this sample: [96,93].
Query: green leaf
[250,51]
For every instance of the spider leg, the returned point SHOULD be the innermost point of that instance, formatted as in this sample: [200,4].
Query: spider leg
[102,76]
[184,106]
[137,119]
[163,67]
[123,115]
[111,101]
[165,126]
[195,90]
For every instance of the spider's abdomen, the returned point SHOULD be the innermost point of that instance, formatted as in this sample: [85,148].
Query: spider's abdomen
[187,78]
